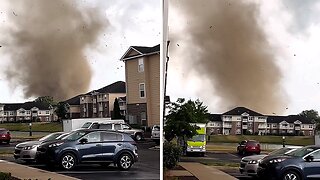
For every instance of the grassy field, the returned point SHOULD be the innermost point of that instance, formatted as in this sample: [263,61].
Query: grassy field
[289,140]
[36,126]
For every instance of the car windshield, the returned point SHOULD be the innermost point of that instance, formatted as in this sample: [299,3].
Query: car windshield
[86,125]
[199,137]
[301,152]
[50,137]
[281,151]
[252,143]
[3,131]
[74,135]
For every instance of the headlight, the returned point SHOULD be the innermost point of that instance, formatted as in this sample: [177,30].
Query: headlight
[29,147]
[276,161]
[253,162]
[55,144]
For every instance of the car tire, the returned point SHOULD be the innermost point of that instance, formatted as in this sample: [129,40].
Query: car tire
[125,161]
[291,175]
[68,161]
[138,137]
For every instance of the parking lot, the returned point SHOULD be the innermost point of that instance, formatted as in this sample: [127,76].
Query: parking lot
[148,166]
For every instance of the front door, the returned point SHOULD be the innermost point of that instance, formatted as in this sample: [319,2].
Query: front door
[312,168]
[91,150]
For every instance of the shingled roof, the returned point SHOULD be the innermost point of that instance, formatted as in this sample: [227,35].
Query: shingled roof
[140,51]
[241,110]
[116,87]
[26,106]
[73,101]
[215,117]
[288,119]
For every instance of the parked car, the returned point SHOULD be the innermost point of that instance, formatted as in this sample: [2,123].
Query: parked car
[5,136]
[137,134]
[155,134]
[26,151]
[248,147]
[90,145]
[303,163]
[249,164]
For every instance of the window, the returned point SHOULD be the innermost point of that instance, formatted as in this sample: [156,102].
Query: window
[125,126]
[47,112]
[316,155]
[11,113]
[28,112]
[291,125]
[143,115]
[274,125]
[111,137]
[249,124]
[140,65]
[142,90]
[105,126]
[250,118]
[310,126]
[5,113]
[95,126]
[93,137]
[238,124]
[117,127]
[268,125]
[238,131]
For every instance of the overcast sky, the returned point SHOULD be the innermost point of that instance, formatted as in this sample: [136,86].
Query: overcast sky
[131,23]
[292,28]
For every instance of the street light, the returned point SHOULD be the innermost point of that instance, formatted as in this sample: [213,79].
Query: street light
[30,130]
[283,141]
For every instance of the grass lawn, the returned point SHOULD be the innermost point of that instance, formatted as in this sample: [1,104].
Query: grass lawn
[290,140]
[36,126]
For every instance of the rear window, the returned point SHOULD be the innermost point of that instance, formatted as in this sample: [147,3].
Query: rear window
[86,125]
[3,131]
[156,128]
[252,143]
[111,136]
[105,126]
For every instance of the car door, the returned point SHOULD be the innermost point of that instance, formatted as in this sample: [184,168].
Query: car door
[111,144]
[242,145]
[92,149]
[312,167]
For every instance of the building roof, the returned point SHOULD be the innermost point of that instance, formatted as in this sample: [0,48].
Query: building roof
[275,119]
[140,51]
[241,110]
[73,101]
[26,106]
[116,87]
[215,117]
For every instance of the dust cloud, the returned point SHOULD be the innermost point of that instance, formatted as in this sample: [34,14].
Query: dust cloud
[224,43]
[47,42]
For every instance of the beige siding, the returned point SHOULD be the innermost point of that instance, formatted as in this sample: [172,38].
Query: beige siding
[153,89]
[133,78]
[132,53]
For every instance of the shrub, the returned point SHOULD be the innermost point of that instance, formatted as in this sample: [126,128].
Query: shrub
[171,155]
[5,176]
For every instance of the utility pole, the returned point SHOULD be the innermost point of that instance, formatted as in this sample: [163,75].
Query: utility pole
[165,81]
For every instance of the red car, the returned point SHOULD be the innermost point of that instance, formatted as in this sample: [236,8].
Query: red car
[5,136]
[248,147]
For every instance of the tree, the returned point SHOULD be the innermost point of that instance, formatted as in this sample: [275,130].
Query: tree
[181,114]
[116,110]
[48,100]
[313,116]
[62,110]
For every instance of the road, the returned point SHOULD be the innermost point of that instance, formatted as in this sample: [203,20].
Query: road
[220,157]
[148,166]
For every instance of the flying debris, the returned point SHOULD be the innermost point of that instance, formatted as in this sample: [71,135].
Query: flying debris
[14,13]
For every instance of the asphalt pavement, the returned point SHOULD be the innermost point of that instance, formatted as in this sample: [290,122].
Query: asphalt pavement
[148,166]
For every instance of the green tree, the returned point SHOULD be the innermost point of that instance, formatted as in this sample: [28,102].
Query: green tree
[181,114]
[62,110]
[48,100]
[116,110]
[313,116]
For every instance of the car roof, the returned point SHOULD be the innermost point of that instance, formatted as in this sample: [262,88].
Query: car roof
[93,130]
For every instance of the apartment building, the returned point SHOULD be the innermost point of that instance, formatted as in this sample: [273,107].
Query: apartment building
[24,112]
[242,120]
[142,71]
[97,103]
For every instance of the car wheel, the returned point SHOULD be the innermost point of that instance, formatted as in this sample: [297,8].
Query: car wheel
[291,175]
[68,161]
[124,161]
[138,137]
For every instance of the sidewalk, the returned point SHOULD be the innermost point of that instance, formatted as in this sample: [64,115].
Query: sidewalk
[25,172]
[200,171]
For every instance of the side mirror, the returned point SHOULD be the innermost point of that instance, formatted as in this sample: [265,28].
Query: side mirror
[309,158]
[83,140]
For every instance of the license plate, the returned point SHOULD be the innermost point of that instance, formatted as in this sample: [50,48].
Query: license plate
[197,150]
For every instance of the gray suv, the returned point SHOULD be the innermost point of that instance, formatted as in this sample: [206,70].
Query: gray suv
[137,134]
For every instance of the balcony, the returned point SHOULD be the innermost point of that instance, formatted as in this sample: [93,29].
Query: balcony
[262,126]
[227,125]
[297,128]
[244,126]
